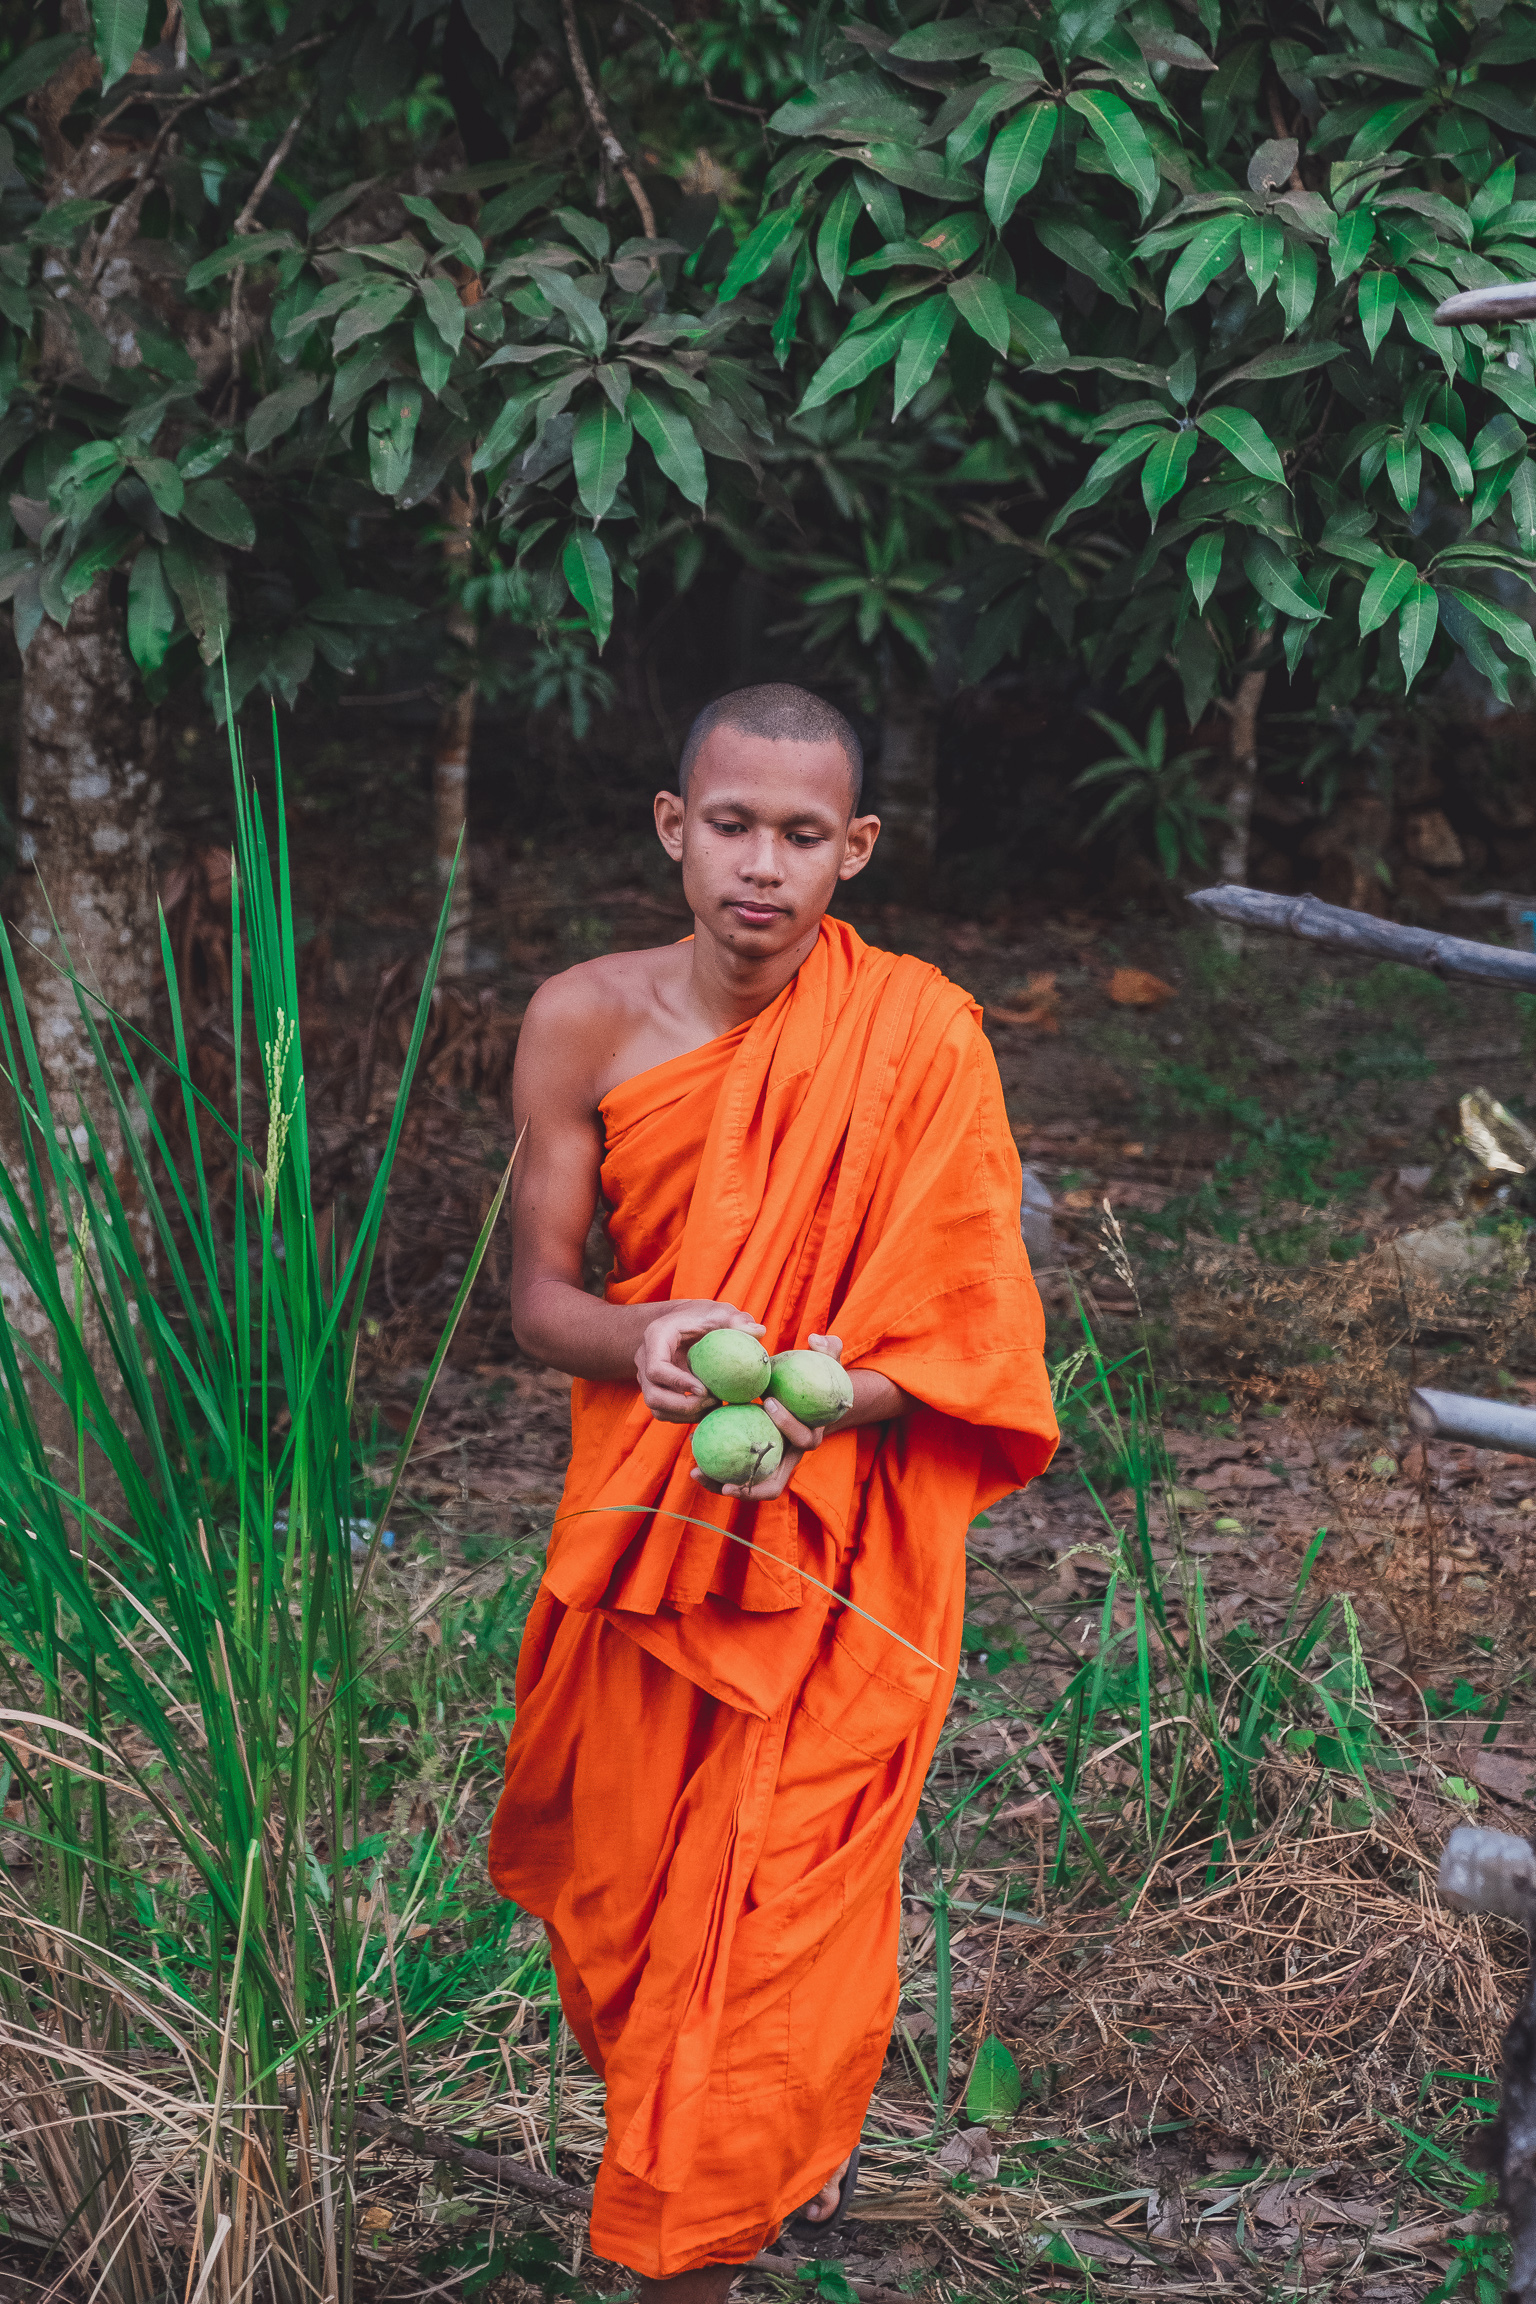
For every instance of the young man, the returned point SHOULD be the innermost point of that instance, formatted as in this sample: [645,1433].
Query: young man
[728,1699]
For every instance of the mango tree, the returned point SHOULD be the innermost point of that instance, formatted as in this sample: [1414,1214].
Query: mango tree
[1226,236]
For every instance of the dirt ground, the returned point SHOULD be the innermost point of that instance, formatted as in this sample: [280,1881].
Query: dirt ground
[1253,2082]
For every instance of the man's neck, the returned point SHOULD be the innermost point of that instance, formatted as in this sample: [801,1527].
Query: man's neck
[728,988]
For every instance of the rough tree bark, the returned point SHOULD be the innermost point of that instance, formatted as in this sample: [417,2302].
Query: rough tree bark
[908,782]
[1232,860]
[455,734]
[87,810]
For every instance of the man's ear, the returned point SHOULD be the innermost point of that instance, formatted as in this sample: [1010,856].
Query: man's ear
[670,809]
[863,832]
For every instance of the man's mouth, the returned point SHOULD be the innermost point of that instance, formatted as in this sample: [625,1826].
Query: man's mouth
[757,915]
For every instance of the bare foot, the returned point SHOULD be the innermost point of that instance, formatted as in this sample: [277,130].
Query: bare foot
[825,2202]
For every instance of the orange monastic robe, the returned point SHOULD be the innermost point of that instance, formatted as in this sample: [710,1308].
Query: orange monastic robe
[716,1762]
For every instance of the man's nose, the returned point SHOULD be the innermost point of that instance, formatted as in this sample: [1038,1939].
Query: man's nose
[762,863]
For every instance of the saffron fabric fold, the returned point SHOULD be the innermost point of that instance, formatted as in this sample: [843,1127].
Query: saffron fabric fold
[725,1712]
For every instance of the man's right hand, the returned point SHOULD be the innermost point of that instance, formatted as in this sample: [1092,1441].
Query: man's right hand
[668,1385]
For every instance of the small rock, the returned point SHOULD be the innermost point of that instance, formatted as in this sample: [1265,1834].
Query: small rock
[1443,1255]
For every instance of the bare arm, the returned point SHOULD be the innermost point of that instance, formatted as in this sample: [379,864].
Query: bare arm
[555,1197]
[554,1201]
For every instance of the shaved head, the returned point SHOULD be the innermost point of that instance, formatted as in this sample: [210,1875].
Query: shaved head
[783,715]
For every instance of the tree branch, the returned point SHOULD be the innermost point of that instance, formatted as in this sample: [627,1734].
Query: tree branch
[613,151]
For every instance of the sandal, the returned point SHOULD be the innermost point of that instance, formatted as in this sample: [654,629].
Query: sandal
[802,2228]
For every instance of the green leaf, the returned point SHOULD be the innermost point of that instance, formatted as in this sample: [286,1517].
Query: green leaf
[213,506]
[1077,246]
[1452,455]
[1513,388]
[512,420]
[995,2091]
[1121,138]
[943,43]
[1513,630]
[1417,619]
[671,439]
[167,486]
[151,610]
[980,302]
[444,310]
[1277,579]
[758,251]
[1378,302]
[964,142]
[1522,504]
[199,582]
[1500,438]
[254,248]
[1203,565]
[833,237]
[882,204]
[1386,588]
[1166,469]
[1500,105]
[1387,127]
[456,238]
[589,329]
[103,552]
[119,29]
[919,171]
[1404,469]
[1127,450]
[589,573]
[1036,336]
[393,416]
[1206,255]
[1281,360]
[434,361]
[1352,242]
[599,452]
[1491,489]
[922,343]
[1016,159]
[1263,241]
[857,354]
[34,65]
[1229,92]
[273,416]
[1296,284]
[370,313]
[1244,437]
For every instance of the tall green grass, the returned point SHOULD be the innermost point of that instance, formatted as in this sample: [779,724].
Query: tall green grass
[182,1623]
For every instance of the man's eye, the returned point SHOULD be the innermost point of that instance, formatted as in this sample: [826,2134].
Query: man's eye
[806,839]
[722,827]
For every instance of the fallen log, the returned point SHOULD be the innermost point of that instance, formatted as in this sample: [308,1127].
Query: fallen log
[1483,1423]
[1484,1871]
[1361,933]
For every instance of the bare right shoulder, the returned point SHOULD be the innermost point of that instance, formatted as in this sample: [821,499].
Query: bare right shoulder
[579,1025]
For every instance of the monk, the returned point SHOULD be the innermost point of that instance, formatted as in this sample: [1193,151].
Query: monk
[727,1698]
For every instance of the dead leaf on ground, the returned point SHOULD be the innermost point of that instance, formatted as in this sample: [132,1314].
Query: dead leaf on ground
[1139,988]
[1034,1006]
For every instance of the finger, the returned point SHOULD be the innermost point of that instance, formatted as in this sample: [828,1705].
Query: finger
[703,1481]
[832,1346]
[798,1435]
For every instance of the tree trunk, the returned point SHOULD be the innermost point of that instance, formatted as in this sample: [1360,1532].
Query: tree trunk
[455,735]
[908,783]
[88,810]
[1232,862]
